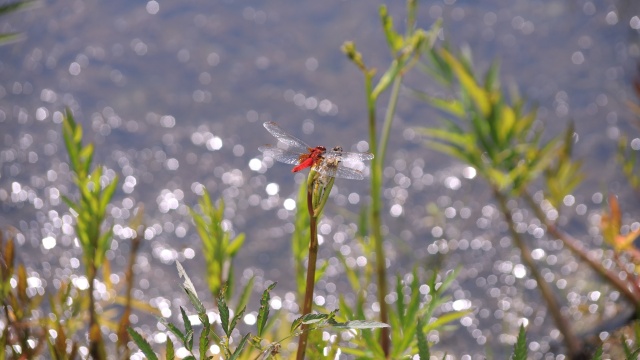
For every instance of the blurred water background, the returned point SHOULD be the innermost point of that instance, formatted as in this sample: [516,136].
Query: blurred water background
[174,95]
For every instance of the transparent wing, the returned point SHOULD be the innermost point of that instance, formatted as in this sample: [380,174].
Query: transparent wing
[332,167]
[285,138]
[281,155]
[344,172]
[350,157]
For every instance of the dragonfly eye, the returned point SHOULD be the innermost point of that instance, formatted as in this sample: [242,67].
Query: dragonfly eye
[322,148]
[337,149]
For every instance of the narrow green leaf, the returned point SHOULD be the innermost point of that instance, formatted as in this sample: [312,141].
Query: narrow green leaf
[188,330]
[204,339]
[386,79]
[394,40]
[236,244]
[263,314]
[520,347]
[15,6]
[625,347]
[296,324]
[400,302]
[243,300]
[7,38]
[468,83]
[144,346]
[235,319]
[240,347]
[223,309]
[450,106]
[445,319]
[598,354]
[423,344]
[313,318]
[107,195]
[169,350]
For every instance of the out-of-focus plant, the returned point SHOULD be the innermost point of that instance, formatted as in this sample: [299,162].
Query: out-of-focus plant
[228,320]
[622,243]
[8,8]
[411,318]
[96,191]
[627,157]
[22,334]
[499,140]
[520,347]
[405,50]
[218,248]
[498,137]
[627,150]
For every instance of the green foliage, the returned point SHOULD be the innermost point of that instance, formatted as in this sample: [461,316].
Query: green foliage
[520,347]
[564,174]
[144,346]
[22,336]
[628,159]
[598,354]
[8,8]
[96,192]
[486,130]
[405,50]
[218,248]
[300,239]
[228,325]
[423,345]
[630,348]
[90,210]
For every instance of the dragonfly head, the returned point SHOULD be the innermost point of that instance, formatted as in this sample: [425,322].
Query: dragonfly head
[321,148]
[337,149]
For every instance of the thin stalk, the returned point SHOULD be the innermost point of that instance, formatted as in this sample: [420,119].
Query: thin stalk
[376,187]
[129,278]
[95,336]
[571,341]
[576,247]
[317,193]
[376,218]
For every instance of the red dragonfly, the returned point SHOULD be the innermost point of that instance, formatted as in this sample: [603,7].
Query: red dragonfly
[329,163]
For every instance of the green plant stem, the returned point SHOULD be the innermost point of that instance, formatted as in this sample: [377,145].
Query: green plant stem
[376,219]
[571,341]
[388,120]
[376,199]
[574,245]
[95,336]
[311,272]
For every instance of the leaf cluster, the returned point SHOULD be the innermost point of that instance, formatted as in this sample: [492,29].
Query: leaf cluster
[496,136]
[96,192]
[219,249]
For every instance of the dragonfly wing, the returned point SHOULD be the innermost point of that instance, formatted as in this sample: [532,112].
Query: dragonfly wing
[331,167]
[350,158]
[281,155]
[285,138]
[344,172]
[356,157]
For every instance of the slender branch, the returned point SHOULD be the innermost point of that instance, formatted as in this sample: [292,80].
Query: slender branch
[571,341]
[576,247]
